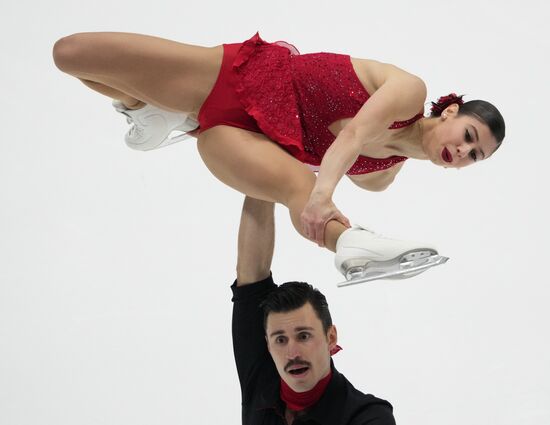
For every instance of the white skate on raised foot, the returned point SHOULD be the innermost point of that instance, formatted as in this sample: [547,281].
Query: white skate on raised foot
[154,128]
[363,256]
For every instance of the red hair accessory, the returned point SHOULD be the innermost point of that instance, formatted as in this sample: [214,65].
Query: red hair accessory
[443,102]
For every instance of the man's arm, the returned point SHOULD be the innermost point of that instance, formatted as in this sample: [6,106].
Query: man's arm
[256,241]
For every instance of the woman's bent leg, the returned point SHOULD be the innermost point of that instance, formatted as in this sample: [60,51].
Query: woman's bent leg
[128,101]
[167,74]
[254,165]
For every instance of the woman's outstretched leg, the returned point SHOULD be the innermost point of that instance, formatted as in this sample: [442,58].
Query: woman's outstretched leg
[254,165]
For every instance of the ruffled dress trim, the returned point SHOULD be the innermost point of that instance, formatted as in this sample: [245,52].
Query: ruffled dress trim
[264,87]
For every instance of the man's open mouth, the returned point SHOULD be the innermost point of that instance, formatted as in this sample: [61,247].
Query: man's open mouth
[299,371]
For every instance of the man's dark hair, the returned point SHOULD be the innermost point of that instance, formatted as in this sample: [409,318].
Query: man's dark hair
[293,295]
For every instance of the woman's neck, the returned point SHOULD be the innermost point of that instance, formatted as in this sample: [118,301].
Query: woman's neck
[412,140]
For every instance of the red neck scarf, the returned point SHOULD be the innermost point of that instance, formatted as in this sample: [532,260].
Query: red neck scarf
[301,401]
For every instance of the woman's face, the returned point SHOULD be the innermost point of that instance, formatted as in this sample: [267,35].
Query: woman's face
[459,140]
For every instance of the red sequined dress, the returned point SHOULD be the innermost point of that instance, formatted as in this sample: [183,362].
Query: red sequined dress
[294,98]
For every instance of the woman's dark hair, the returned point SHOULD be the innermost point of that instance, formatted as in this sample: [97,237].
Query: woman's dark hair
[484,111]
[293,295]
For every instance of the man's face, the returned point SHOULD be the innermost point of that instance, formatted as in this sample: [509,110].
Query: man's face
[299,346]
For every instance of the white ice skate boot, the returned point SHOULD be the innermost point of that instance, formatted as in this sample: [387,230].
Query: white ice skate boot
[152,127]
[363,256]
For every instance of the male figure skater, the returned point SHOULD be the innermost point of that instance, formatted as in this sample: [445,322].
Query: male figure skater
[283,339]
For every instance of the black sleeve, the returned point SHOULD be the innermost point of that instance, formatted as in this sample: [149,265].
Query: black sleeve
[249,345]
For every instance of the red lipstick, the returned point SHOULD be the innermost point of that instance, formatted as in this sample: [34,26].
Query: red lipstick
[446,155]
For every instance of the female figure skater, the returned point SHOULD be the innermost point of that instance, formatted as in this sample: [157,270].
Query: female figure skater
[266,115]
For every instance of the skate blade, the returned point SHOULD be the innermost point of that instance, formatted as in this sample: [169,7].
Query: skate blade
[180,133]
[398,270]
[174,137]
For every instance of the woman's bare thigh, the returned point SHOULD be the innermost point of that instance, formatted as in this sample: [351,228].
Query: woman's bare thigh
[158,71]
[254,165]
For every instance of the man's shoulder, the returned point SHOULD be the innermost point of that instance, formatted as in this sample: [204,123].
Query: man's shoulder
[365,398]
[373,410]
[365,408]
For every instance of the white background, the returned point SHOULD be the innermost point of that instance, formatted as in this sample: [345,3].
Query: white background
[115,265]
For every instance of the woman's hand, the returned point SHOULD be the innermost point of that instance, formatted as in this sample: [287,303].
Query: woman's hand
[316,214]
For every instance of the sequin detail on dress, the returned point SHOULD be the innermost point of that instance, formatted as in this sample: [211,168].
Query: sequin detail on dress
[294,98]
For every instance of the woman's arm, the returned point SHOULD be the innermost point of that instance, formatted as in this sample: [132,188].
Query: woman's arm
[399,96]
